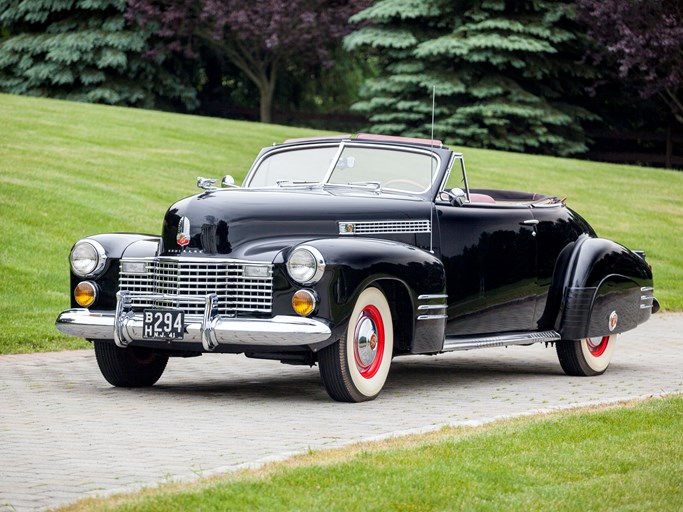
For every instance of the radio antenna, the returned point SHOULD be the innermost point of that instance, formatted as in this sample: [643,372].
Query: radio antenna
[431,175]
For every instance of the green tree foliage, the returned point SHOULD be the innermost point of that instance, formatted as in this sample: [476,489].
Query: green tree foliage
[83,50]
[505,72]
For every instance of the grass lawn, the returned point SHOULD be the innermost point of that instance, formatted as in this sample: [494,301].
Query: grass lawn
[68,170]
[624,458]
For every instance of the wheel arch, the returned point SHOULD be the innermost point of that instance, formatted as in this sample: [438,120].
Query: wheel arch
[404,273]
[400,302]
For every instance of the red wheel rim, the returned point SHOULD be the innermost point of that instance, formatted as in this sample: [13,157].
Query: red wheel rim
[368,342]
[599,349]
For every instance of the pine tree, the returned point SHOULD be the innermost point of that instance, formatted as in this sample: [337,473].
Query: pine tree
[83,50]
[504,72]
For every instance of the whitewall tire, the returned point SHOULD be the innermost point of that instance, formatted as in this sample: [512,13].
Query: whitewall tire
[355,368]
[586,357]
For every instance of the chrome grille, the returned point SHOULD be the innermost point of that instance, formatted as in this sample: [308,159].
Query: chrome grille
[183,277]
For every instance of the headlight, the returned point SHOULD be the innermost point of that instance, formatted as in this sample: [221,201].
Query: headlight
[87,258]
[306,265]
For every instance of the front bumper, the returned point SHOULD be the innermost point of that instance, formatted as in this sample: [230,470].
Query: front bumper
[125,326]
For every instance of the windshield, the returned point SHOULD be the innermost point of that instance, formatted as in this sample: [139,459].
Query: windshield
[308,165]
[385,168]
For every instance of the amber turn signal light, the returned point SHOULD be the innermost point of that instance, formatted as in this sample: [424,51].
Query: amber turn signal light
[303,302]
[85,293]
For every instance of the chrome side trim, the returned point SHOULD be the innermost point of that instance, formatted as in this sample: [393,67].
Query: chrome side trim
[279,331]
[647,300]
[384,227]
[432,297]
[432,307]
[519,338]
[431,317]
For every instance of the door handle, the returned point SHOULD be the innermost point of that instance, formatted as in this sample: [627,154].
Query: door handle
[530,222]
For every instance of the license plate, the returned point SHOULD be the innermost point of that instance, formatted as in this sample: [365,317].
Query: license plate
[162,324]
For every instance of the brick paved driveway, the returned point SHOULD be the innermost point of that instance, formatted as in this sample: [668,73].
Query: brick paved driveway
[66,434]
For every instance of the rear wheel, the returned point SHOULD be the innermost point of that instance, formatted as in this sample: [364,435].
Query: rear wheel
[130,367]
[355,368]
[587,357]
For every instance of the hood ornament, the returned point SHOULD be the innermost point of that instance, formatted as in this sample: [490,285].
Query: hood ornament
[206,183]
[183,236]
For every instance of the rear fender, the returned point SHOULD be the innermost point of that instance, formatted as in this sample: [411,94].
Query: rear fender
[606,290]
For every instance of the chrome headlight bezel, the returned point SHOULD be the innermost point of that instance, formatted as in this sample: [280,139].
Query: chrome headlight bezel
[306,265]
[87,251]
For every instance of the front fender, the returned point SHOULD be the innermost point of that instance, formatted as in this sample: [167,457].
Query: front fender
[607,289]
[406,274]
[116,245]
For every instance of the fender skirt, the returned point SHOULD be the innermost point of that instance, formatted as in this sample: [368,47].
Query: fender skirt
[607,290]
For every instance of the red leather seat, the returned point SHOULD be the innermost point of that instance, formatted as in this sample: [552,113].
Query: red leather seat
[481,198]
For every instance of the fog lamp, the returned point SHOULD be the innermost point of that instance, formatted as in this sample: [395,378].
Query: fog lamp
[85,293]
[303,302]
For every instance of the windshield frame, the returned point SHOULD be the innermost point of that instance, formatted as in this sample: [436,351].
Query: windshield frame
[441,158]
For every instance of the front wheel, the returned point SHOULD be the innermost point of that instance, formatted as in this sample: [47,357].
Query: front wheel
[355,368]
[587,357]
[130,367]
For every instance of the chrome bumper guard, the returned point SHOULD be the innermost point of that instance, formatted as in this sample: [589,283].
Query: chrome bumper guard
[125,326]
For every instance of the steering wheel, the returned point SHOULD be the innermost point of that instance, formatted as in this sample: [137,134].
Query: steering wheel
[418,187]
[454,196]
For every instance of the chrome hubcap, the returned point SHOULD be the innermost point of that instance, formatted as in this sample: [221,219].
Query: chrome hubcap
[366,341]
[597,346]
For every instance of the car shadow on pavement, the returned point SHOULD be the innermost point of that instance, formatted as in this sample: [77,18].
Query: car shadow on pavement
[303,384]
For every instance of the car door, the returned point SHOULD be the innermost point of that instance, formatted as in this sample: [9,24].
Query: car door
[558,226]
[489,252]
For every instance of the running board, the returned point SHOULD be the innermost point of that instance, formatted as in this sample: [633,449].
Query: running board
[516,338]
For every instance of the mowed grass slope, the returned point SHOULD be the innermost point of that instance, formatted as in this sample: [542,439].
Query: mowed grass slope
[68,170]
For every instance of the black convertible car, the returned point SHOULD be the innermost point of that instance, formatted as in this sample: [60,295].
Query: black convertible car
[349,251]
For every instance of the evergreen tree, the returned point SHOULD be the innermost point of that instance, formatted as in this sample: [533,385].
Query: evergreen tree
[505,72]
[83,50]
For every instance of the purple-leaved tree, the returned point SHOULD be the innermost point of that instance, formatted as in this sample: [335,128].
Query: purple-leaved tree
[261,37]
[646,39]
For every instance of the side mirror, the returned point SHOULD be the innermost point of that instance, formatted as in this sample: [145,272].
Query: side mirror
[228,182]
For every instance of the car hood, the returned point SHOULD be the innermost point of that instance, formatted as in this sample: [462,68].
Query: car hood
[256,224]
